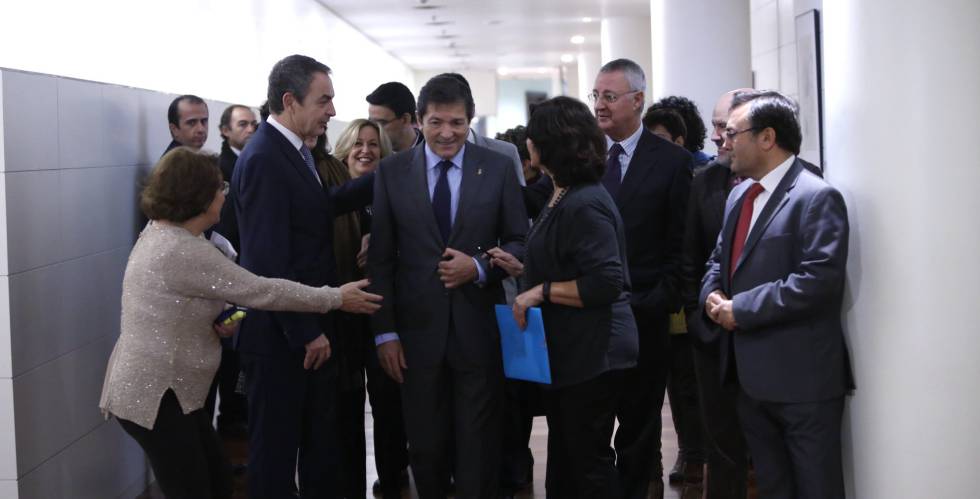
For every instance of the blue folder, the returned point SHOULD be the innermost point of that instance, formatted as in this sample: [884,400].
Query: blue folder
[525,352]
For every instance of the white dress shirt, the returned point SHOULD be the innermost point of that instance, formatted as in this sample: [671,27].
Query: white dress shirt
[769,184]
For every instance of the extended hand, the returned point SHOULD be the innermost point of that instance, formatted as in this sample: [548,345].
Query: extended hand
[506,261]
[358,301]
[317,352]
[530,298]
[392,359]
[456,269]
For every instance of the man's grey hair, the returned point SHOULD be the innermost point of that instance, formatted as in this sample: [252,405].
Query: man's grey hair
[632,71]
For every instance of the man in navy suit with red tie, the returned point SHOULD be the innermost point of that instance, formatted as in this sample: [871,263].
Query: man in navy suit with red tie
[772,293]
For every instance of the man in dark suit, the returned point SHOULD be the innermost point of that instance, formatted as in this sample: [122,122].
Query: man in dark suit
[285,219]
[437,210]
[650,179]
[188,119]
[773,291]
[236,126]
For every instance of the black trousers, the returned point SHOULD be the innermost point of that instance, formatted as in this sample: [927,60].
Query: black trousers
[521,402]
[390,442]
[580,424]
[682,390]
[184,452]
[452,412]
[726,453]
[796,447]
[293,426]
[637,440]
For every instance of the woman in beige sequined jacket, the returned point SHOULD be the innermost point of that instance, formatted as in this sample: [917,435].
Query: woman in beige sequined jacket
[176,284]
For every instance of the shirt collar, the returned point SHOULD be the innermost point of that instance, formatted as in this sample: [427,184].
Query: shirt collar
[289,134]
[773,178]
[628,145]
[238,152]
[432,159]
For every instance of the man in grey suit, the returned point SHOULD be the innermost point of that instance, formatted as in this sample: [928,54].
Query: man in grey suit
[773,292]
[437,209]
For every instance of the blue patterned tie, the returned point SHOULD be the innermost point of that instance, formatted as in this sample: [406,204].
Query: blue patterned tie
[612,179]
[442,201]
[308,159]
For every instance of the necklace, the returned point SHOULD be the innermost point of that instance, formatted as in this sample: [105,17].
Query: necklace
[543,217]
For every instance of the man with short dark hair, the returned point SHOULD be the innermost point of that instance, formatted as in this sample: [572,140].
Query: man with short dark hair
[772,295]
[286,221]
[437,209]
[188,118]
[392,107]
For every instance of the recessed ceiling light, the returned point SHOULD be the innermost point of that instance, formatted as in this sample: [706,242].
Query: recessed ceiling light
[503,71]
[444,36]
[577,39]
[586,19]
[567,58]
[438,23]
[427,7]
[494,22]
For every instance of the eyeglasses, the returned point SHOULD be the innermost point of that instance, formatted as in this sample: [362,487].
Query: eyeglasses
[730,134]
[609,97]
[225,188]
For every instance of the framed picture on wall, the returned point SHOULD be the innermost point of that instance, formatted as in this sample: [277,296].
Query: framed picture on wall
[808,72]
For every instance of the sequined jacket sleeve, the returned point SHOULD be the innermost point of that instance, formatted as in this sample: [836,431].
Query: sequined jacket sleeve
[206,273]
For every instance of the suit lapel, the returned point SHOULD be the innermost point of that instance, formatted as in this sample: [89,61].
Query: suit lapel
[728,231]
[418,185]
[779,198]
[639,167]
[469,188]
[294,157]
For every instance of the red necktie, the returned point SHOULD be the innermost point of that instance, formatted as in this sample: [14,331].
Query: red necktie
[742,229]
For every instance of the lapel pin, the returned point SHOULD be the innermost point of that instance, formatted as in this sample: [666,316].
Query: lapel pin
[479,171]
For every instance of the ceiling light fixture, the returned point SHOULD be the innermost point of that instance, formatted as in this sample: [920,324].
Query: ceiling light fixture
[566,58]
[577,39]
[586,19]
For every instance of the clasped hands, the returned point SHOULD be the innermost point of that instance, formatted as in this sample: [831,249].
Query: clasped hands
[719,309]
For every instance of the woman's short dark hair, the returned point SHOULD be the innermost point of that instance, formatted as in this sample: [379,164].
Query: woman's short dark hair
[568,140]
[183,185]
[696,132]
[518,137]
[445,89]
[771,109]
[667,118]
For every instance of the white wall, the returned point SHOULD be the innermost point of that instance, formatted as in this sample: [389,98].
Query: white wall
[218,49]
[512,100]
[902,102]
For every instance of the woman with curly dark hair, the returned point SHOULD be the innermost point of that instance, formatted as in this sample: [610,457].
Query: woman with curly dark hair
[696,132]
[575,270]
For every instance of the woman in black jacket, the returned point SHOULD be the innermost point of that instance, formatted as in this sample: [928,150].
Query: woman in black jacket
[575,270]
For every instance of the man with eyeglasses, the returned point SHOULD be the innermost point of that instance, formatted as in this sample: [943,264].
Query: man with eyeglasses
[392,107]
[771,300]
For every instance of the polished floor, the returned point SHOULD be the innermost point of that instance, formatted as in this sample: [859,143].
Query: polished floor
[539,436]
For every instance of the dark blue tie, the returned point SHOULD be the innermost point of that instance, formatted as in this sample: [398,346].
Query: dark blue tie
[442,201]
[308,159]
[612,180]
